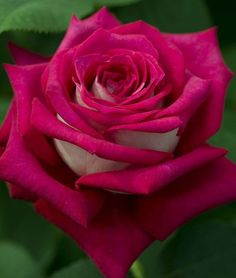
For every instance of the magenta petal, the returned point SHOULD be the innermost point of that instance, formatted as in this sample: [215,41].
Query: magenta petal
[111,41]
[111,240]
[150,103]
[161,125]
[104,18]
[46,153]
[89,65]
[170,56]
[26,85]
[195,92]
[146,180]
[20,193]
[203,58]
[57,95]
[80,30]
[19,167]
[116,119]
[48,124]
[25,81]
[22,56]
[202,189]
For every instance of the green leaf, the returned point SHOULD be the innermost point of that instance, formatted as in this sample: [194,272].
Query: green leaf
[137,270]
[16,262]
[81,269]
[205,250]
[47,15]
[40,15]
[148,260]
[226,213]
[169,15]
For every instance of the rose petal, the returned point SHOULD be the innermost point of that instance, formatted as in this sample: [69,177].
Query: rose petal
[116,119]
[146,180]
[25,81]
[161,125]
[194,94]
[151,103]
[162,213]
[152,82]
[110,41]
[105,238]
[46,153]
[84,100]
[19,167]
[22,56]
[163,142]
[80,30]
[95,66]
[170,56]
[20,193]
[82,162]
[100,92]
[44,121]
[58,96]
[203,58]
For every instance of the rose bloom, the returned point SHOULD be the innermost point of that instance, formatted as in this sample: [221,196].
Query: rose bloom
[108,137]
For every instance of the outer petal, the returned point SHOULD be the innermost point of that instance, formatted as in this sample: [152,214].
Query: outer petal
[82,162]
[20,193]
[202,189]
[24,57]
[112,240]
[203,58]
[79,30]
[25,81]
[47,123]
[195,92]
[146,180]
[19,167]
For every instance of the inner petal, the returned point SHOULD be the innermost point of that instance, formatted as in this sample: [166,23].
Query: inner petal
[112,82]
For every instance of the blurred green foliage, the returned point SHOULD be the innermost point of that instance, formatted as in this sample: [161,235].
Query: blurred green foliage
[170,16]
[83,268]
[29,246]
[20,265]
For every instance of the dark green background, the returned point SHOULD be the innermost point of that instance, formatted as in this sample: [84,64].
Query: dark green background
[204,248]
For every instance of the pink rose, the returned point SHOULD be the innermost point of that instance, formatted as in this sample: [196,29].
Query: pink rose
[119,108]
